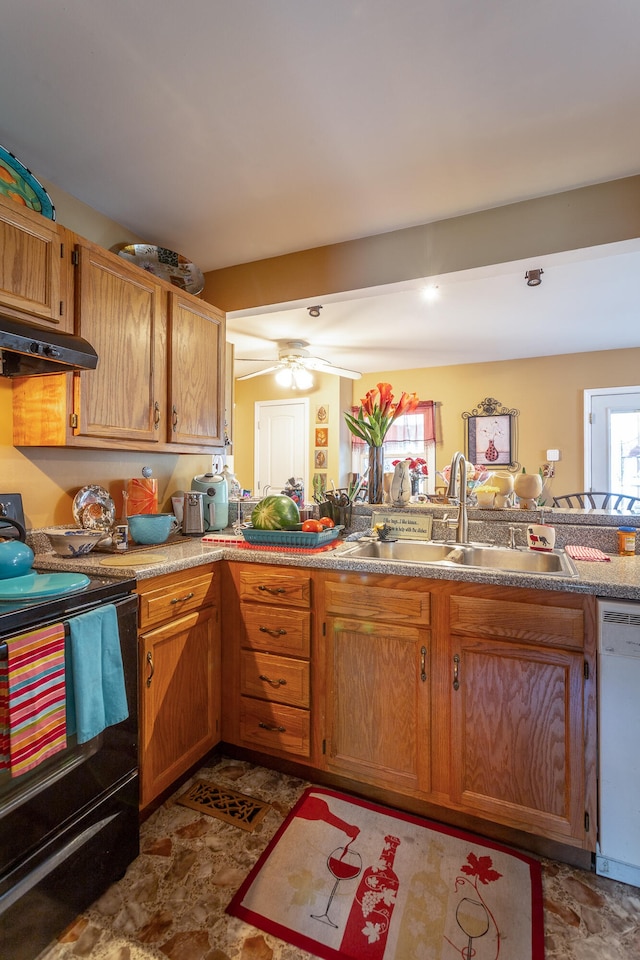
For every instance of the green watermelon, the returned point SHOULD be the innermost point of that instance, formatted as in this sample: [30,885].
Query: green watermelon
[277,512]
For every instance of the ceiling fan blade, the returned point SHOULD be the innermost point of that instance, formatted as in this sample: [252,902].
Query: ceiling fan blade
[260,373]
[316,363]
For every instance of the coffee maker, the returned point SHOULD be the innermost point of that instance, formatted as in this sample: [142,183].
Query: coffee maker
[215,500]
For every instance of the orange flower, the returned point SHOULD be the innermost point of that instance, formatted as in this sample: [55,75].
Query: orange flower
[377,412]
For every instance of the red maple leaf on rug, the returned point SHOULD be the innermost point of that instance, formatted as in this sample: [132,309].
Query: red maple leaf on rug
[480,867]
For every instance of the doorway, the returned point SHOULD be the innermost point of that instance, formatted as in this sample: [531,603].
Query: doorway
[281,444]
[612,440]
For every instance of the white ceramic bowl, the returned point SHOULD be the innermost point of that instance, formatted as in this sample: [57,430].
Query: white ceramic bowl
[74,542]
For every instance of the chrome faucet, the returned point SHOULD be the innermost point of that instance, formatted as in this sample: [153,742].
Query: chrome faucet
[459,492]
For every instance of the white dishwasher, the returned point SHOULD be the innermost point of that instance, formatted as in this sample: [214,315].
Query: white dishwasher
[618,853]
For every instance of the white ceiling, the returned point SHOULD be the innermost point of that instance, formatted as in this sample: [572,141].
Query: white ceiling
[233,131]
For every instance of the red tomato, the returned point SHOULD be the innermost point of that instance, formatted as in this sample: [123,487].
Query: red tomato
[326,522]
[312,526]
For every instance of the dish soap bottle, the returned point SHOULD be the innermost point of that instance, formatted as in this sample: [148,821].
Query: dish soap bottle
[233,485]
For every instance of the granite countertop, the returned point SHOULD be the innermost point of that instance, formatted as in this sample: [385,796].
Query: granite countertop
[619,577]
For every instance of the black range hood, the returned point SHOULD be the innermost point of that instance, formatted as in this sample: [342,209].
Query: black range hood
[30,351]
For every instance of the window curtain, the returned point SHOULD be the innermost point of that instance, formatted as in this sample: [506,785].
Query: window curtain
[412,434]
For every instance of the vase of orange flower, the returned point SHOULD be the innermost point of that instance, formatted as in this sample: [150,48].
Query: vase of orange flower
[376,414]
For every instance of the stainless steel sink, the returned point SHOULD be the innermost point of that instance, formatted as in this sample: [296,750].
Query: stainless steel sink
[554,563]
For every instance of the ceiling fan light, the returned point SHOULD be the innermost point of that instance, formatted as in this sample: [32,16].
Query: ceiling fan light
[302,379]
[284,377]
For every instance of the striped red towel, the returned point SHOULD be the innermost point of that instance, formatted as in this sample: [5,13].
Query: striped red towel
[32,699]
[586,553]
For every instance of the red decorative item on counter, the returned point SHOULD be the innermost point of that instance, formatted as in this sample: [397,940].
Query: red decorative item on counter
[142,495]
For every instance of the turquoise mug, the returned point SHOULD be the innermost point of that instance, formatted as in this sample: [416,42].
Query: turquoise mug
[151,528]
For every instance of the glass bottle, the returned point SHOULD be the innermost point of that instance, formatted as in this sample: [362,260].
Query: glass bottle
[367,926]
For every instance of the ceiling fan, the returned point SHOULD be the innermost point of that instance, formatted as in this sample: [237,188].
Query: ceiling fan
[294,364]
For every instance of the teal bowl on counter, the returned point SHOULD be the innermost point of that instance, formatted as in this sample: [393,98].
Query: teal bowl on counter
[152,528]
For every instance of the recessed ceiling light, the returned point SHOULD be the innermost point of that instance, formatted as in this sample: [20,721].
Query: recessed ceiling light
[430,292]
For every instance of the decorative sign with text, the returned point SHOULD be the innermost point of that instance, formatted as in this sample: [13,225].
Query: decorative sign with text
[410,526]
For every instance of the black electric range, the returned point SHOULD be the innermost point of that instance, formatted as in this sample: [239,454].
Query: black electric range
[22,614]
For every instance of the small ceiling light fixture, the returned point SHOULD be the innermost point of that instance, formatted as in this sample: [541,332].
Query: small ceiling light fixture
[314,311]
[431,292]
[534,277]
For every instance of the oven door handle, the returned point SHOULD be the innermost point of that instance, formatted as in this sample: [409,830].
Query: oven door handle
[151,666]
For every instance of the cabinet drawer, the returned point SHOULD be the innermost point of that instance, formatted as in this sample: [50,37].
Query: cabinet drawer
[290,589]
[274,726]
[280,679]
[170,597]
[277,630]
[527,622]
[376,602]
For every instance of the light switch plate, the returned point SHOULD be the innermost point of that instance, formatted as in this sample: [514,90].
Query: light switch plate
[11,508]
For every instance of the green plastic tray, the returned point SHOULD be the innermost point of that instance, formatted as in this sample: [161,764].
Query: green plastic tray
[290,538]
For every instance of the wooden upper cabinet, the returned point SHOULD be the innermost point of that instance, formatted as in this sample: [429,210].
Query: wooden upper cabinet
[120,311]
[31,260]
[196,372]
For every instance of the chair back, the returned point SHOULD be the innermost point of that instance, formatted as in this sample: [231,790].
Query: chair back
[597,501]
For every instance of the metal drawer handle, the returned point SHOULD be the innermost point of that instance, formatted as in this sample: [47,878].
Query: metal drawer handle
[174,411]
[156,415]
[152,669]
[456,672]
[187,596]
[273,633]
[274,683]
[272,589]
[423,663]
[265,726]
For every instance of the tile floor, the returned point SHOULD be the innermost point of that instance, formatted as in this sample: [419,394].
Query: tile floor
[171,902]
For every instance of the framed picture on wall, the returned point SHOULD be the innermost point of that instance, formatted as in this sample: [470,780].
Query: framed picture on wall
[322,413]
[320,459]
[490,435]
[322,437]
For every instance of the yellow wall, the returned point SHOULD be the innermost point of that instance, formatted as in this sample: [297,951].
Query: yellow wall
[328,391]
[547,391]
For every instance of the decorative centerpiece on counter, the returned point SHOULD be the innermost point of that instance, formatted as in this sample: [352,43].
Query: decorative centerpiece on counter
[376,414]
[528,487]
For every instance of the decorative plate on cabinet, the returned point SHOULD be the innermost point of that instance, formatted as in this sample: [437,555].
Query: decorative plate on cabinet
[17,183]
[93,508]
[165,264]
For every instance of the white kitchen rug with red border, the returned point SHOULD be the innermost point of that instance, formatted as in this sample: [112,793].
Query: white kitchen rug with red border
[345,878]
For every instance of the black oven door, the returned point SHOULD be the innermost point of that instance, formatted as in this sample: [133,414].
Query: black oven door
[69,827]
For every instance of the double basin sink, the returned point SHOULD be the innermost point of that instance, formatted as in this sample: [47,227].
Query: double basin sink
[477,556]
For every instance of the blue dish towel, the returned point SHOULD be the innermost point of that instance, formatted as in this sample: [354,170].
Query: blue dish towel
[96,695]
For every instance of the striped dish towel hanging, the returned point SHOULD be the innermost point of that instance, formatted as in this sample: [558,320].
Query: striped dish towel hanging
[32,699]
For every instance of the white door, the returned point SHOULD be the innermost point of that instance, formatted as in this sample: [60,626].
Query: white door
[281,444]
[612,440]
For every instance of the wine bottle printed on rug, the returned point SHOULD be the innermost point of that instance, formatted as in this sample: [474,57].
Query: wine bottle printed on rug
[348,879]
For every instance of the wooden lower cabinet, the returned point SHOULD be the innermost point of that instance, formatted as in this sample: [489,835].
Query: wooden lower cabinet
[266,661]
[470,698]
[521,673]
[179,654]
[377,685]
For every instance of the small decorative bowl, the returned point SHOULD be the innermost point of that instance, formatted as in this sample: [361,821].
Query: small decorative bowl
[74,542]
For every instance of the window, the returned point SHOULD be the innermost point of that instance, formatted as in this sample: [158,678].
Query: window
[412,435]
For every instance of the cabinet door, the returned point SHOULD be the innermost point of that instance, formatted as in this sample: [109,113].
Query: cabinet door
[196,372]
[517,752]
[119,309]
[180,698]
[30,264]
[377,703]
